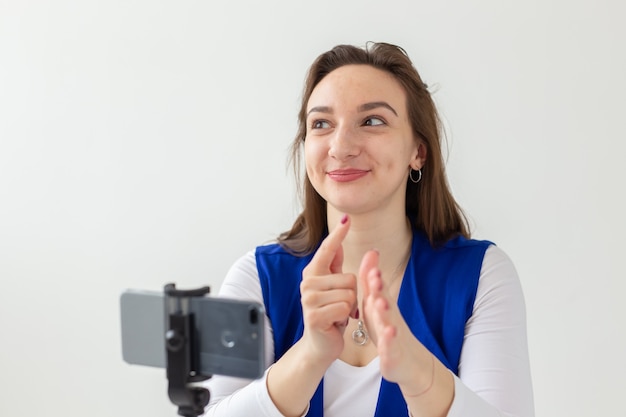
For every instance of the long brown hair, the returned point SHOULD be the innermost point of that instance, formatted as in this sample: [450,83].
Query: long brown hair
[430,206]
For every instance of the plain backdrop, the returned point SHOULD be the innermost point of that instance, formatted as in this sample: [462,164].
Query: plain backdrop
[146,141]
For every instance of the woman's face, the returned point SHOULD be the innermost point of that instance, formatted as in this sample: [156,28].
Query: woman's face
[359,144]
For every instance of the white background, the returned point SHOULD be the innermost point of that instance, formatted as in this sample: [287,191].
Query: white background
[143,142]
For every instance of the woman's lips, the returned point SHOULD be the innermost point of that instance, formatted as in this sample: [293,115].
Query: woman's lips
[346,175]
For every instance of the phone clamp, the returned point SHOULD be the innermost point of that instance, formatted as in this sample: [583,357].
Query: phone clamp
[182,353]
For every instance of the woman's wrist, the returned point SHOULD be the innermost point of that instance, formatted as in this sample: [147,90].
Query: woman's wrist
[293,379]
[412,392]
[432,393]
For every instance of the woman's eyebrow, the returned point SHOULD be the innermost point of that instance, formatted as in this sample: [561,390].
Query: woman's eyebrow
[375,105]
[320,109]
[363,107]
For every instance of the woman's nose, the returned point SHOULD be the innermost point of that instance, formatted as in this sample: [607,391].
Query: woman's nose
[344,144]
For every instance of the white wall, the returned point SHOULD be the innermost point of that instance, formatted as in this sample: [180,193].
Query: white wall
[143,142]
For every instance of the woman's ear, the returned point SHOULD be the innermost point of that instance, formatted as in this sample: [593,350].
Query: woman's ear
[419,159]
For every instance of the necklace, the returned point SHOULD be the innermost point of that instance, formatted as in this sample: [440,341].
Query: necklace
[360,336]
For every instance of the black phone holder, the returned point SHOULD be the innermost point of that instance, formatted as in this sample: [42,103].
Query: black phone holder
[182,352]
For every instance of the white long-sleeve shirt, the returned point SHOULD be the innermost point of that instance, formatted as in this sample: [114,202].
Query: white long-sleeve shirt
[494,369]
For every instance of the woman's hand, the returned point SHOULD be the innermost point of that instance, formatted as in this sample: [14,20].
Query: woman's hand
[399,350]
[426,384]
[329,297]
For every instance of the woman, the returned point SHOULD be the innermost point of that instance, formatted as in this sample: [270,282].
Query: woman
[378,302]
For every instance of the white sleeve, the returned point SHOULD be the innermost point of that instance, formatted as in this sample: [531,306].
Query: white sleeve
[494,369]
[239,397]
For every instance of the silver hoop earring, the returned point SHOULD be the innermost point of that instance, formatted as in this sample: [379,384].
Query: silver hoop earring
[419,176]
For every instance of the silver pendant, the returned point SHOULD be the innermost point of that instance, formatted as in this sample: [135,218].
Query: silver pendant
[360,335]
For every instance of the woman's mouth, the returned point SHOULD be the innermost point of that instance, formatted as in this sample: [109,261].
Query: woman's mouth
[347,175]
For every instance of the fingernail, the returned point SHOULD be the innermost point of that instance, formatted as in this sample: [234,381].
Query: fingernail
[344,219]
[357,314]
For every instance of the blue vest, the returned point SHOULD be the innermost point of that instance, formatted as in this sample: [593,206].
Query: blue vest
[436,299]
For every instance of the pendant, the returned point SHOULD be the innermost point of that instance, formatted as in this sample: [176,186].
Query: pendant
[360,335]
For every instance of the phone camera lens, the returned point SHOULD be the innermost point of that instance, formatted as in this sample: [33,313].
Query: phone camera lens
[254,316]
[228,339]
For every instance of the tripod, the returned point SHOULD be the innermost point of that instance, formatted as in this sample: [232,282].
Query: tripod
[182,352]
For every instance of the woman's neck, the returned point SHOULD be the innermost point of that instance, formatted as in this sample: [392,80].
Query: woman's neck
[390,235]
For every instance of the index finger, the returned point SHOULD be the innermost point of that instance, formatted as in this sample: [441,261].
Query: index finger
[329,256]
[369,262]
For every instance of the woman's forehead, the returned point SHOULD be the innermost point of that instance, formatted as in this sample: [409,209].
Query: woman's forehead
[354,85]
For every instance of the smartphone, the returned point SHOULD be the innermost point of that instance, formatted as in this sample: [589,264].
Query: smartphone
[230,333]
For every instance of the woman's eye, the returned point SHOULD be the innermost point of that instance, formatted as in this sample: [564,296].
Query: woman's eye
[320,124]
[373,121]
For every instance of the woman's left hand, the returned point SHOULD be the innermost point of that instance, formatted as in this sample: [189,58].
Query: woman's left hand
[398,349]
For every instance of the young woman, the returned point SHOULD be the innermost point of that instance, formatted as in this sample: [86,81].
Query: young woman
[378,302]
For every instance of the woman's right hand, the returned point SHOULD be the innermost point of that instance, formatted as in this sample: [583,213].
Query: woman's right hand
[328,296]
